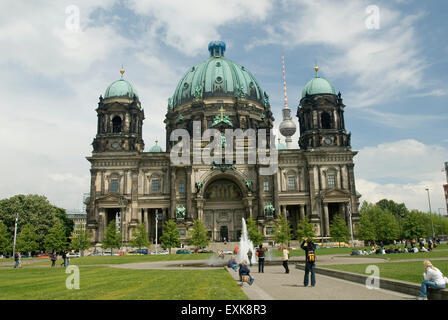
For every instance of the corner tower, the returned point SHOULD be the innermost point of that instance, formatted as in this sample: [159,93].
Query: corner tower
[120,119]
[321,116]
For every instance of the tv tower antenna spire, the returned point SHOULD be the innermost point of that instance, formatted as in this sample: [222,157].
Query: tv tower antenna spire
[284,81]
[287,126]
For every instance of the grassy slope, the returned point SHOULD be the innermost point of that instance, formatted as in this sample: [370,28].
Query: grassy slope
[99,283]
[411,271]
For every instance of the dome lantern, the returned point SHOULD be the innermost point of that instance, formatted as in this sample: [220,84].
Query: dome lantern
[217,48]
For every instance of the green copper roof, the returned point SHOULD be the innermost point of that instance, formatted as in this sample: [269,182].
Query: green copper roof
[156,148]
[281,146]
[120,88]
[318,85]
[216,77]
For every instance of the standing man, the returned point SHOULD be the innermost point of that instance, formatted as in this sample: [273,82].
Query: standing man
[16,260]
[285,258]
[310,261]
[261,252]
[249,255]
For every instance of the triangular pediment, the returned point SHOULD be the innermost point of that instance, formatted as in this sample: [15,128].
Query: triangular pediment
[113,197]
[336,193]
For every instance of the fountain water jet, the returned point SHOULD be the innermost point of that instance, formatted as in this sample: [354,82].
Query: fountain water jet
[245,245]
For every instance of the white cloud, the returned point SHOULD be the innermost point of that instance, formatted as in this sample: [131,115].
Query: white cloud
[401,171]
[383,63]
[189,25]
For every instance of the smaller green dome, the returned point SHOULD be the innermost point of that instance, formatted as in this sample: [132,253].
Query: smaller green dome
[120,88]
[156,148]
[318,85]
[281,146]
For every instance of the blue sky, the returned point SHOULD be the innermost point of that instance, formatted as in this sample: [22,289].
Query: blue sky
[392,79]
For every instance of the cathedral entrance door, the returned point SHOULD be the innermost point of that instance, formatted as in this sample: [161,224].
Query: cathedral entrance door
[224,233]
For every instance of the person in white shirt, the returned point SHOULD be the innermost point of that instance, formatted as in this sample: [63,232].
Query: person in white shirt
[433,279]
[285,258]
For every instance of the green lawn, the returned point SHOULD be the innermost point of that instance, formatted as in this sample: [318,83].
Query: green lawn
[411,271]
[407,256]
[105,283]
[120,259]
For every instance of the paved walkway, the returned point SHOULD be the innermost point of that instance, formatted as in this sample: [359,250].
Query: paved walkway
[274,284]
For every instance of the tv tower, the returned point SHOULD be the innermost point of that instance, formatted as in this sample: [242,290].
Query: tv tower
[287,126]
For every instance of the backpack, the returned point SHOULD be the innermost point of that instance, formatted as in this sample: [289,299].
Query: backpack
[311,257]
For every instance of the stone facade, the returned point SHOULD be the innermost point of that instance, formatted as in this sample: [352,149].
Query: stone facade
[315,181]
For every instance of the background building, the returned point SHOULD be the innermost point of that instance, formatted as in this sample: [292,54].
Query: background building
[132,186]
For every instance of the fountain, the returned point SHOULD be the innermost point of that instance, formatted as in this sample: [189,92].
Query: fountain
[245,245]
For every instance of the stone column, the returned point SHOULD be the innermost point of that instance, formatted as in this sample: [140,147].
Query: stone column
[134,196]
[302,212]
[188,187]
[145,220]
[260,194]
[276,192]
[172,192]
[326,219]
[284,210]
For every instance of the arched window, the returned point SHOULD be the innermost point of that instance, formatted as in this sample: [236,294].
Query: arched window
[116,124]
[326,120]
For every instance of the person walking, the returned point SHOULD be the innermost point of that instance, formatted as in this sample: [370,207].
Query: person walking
[16,260]
[67,256]
[433,278]
[249,256]
[64,257]
[20,260]
[53,258]
[310,261]
[285,258]
[261,252]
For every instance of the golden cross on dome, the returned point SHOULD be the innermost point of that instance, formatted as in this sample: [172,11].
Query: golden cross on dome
[122,71]
[222,112]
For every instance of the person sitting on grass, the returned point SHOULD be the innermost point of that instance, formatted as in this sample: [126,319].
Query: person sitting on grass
[245,273]
[433,278]
[232,263]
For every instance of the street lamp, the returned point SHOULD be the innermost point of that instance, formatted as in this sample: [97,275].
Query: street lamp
[350,221]
[430,213]
[157,219]
[15,228]
[15,235]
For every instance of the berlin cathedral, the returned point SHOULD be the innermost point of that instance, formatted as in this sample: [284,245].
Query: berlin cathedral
[131,186]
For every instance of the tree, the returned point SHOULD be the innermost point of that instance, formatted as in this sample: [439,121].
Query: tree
[170,237]
[378,223]
[66,221]
[27,239]
[80,239]
[199,236]
[33,209]
[339,230]
[366,230]
[5,242]
[139,237]
[282,230]
[305,229]
[252,232]
[414,225]
[112,238]
[56,238]
[398,210]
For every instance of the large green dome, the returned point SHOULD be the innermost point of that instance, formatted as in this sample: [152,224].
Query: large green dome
[120,88]
[318,85]
[216,77]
